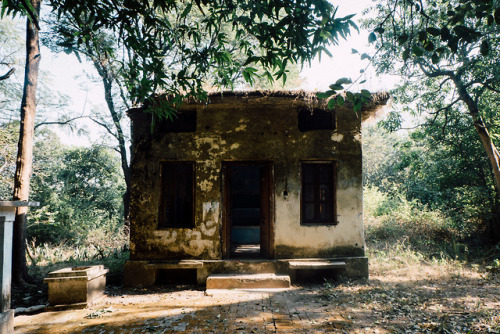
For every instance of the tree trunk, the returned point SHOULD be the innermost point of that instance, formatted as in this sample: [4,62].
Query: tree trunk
[107,81]
[25,148]
[491,151]
[482,131]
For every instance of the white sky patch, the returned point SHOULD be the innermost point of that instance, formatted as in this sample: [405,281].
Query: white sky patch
[344,63]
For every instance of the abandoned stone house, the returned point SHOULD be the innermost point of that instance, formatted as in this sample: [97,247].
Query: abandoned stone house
[249,182]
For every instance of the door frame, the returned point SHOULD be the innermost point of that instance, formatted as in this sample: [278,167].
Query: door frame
[267,207]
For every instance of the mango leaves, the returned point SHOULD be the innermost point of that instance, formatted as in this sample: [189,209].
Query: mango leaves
[356,100]
[180,47]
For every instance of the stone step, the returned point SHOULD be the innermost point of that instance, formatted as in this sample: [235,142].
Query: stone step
[248,281]
[304,264]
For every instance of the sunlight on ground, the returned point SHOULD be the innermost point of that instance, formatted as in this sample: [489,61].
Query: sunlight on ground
[439,297]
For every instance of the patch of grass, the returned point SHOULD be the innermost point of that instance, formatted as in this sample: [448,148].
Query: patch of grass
[396,221]
[109,249]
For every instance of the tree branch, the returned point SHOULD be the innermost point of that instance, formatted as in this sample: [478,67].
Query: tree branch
[496,90]
[7,75]
[435,73]
[105,126]
[32,15]
[59,122]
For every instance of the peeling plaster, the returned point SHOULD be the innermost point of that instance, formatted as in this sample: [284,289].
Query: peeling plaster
[241,128]
[264,134]
[337,137]
[206,185]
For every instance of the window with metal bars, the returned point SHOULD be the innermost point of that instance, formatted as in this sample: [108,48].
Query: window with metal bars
[318,204]
[176,195]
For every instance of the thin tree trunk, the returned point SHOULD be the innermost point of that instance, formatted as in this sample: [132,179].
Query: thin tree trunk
[25,148]
[481,129]
[491,151]
[107,81]
[489,146]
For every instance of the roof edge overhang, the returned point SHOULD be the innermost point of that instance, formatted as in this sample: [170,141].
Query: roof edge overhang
[300,98]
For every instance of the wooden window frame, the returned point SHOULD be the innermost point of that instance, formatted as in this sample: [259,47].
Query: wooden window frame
[331,220]
[162,217]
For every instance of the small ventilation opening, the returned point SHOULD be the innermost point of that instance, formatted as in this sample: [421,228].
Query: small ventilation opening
[317,119]
[316,275]
[176,276]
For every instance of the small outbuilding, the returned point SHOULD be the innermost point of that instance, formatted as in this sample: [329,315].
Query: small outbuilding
[250,182]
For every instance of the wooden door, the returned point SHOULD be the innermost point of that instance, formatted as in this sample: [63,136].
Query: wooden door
[226,212]
[266,198]
[266,208]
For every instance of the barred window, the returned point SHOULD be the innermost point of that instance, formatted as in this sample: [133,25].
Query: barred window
[318,194]
[176,195]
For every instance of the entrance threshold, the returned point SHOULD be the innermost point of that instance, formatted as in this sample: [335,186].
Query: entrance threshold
[245,251]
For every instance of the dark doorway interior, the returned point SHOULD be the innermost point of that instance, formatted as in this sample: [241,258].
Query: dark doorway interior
[246,210]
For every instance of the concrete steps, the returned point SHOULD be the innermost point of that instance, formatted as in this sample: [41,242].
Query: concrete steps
[312,265]
[247,281]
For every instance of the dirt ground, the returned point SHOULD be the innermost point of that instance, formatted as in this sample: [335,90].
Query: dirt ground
[423,299]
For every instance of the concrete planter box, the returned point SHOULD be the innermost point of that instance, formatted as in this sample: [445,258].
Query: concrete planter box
[78,286]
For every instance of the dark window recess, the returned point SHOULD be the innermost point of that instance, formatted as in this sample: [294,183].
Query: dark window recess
[177,195]
[182,121]
[318,194]
[319,119]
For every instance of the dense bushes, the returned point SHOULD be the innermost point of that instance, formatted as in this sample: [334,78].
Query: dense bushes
[426,171]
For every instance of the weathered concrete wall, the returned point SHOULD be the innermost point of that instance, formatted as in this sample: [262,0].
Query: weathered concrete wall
[247,129]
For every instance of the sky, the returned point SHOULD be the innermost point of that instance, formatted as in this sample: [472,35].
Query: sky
[74,79]
[344,63]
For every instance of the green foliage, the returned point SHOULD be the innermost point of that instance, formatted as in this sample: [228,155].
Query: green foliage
[173,47]
[79,190]
[11,58]
[437,31]
[430,233]
[8,151]
[447,53]
[110,251]
[356,100]
[443,171]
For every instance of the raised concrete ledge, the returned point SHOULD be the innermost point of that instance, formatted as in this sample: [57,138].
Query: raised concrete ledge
[182,264]
[144,272]
[304,264]
[248,281]
[215,292]
[76,278]
[77,273]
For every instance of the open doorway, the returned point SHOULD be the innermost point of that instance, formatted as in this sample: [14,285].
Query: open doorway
[247,210]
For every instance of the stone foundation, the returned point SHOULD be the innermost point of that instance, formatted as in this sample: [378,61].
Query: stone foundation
[145,273]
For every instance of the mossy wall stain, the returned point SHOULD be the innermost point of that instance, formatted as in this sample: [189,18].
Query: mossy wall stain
[252,129]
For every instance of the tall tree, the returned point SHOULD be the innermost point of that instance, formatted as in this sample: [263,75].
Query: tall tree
[176,46]
[451,50]
[101,49]
[25,147]
[448,54]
